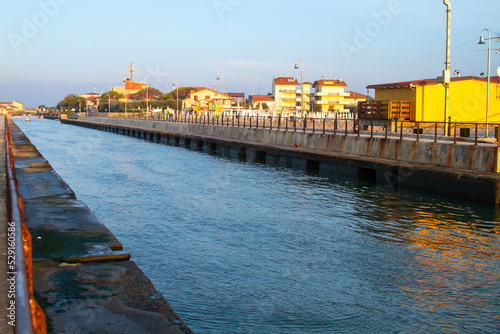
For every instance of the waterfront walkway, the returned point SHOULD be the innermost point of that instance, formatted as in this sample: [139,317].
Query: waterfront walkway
[83,280]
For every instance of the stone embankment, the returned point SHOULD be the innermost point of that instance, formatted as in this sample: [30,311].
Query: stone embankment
[458,170]
[82,278]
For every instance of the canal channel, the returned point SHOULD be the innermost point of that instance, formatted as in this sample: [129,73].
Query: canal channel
[243,247]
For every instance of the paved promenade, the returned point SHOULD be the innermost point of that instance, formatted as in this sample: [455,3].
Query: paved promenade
[83,280]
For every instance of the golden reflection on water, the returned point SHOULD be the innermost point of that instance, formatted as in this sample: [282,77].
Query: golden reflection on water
[454,262]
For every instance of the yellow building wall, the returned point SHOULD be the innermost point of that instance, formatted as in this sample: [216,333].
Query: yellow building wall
[467,101]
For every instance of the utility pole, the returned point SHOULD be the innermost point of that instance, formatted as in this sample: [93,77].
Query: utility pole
[445,79]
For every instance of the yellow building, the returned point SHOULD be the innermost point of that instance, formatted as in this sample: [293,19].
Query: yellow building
[11,106]
[307,97]
[285,95]
[467,99]
[205,100]
[329,95]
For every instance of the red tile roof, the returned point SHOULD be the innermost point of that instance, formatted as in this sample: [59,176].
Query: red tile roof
[354,95]
[286,81]
[330,82]
[262,98]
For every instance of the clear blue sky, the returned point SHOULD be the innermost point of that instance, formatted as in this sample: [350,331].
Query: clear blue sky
[51,48]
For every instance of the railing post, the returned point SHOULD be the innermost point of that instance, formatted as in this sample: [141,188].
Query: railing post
[238,117]
[279,122]
[454,133]
[436,132]
[401,131]
[305,124]
[386,126]
[271,127]
[475,135]
[286,124]
[346,121]
[324,125]
[257,123]
[314,126]
[371,131]
[418,130]
[295,124]
[250,123]
[264,122]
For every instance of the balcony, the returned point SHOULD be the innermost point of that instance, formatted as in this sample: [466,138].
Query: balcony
[326,94]
[392,109]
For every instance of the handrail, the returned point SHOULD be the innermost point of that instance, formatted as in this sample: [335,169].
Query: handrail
[29,318]
[475,133]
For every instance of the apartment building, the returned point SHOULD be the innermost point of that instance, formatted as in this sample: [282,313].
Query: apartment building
[285,95]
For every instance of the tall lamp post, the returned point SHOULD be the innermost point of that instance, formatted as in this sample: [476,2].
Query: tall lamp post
[177,91]
[301,83]
[109,103]
[482,41]
[220,76]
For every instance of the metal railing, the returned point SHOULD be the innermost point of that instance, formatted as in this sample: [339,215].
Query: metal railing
[455,132]
[29,317]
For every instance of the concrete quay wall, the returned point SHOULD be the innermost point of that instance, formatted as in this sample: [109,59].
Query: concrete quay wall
[82,278]
[464,184]
[459,156]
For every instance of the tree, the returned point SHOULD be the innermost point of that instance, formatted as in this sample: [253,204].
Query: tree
[149,93]
[114,95]
[317,108]
[183,93]
[265,106]
[71,102]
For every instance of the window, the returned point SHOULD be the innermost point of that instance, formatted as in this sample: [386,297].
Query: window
[207,97]
[196,97]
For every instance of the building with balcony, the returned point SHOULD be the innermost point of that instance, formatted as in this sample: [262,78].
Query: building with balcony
[329,97]
[207,101]
[285,95]
[423,100]
[353,98]
[307,97]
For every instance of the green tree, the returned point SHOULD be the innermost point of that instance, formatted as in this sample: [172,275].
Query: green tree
[114,95]
[265,106]
[71,102]
[183,93]
[149,93]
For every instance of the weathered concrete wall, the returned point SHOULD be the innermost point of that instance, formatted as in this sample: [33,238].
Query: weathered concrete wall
[460,156]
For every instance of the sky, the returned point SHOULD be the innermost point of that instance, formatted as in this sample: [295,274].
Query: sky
[52,48]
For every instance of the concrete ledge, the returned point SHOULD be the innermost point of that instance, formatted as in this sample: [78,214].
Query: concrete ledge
[83,280]
[453,182]
[462,155]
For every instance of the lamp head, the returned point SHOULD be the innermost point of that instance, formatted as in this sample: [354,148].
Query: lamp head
[481,40]
[218,77]
[296,66]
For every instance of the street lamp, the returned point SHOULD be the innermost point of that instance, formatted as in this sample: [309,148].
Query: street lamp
[221,78]
[301,83]
[177,90]
[482,42]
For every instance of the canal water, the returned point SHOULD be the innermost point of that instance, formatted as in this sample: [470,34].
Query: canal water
[242,247]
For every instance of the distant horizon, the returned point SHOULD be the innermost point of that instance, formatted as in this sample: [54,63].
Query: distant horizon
[53,48]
